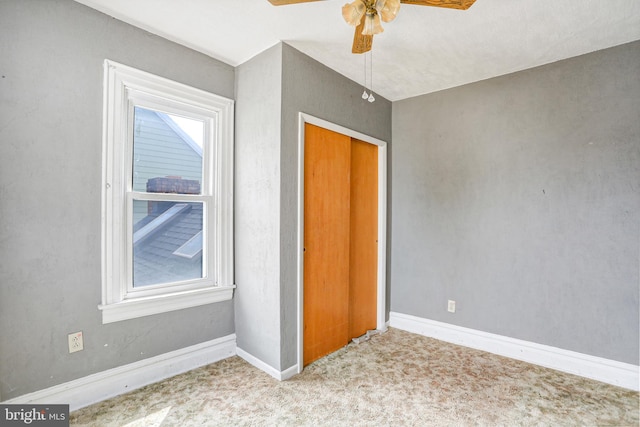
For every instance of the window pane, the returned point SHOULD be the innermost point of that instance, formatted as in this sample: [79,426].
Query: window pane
[167,153]
[167,242]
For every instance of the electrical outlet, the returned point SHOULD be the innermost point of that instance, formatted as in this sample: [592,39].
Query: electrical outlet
[75,342]
[451,306]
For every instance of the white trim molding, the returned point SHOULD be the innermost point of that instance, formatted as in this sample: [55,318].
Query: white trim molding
[382,221]
[596,368]
[129,309]
[113,382]
[263,366]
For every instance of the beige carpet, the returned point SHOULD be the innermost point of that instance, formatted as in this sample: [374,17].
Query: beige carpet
[395,379]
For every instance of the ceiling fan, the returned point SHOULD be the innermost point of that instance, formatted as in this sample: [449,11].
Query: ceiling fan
[365,15]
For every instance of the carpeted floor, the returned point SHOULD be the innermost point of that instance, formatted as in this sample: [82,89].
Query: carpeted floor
[394,379]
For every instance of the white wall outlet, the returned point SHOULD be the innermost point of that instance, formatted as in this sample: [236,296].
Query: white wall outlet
[451,306]
[75,342]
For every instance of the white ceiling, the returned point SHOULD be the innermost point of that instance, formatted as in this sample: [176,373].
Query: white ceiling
[423,50]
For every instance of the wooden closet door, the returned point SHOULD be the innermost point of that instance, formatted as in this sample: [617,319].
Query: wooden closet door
[327,164]
[363,247]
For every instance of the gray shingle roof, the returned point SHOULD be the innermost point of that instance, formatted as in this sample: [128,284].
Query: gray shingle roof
[167,229]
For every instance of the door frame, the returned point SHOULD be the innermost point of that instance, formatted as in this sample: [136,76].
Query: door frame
[381,323]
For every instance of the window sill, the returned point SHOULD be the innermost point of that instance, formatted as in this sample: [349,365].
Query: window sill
[140,307]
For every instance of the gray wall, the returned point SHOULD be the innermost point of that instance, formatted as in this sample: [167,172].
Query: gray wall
[519,197]
[272,89]
[257,205]
[50,178]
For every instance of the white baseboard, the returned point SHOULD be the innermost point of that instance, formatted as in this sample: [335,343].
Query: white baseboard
[113,382]
[596,368]
[279,375]
[288,373]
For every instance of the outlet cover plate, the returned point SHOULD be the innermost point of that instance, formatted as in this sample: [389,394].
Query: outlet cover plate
[451,306]
[75,342]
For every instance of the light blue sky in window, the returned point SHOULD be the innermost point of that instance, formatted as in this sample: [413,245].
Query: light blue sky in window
[193,128]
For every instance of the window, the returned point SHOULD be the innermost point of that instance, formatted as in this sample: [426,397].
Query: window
[167,199]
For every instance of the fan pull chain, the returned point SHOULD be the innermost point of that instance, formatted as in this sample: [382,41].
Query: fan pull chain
[365,95]
[368,96]
[371,97]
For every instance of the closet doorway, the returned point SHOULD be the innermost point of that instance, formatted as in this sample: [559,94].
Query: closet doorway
[343,223]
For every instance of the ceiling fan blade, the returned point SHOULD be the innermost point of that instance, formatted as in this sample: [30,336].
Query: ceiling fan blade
[361,43]
[285,2]
[451,4]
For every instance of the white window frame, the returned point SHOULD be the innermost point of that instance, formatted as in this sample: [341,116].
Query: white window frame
[124,89]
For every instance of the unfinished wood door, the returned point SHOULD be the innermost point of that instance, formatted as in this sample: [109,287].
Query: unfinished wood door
[327,164]
[363,245]
[340,247]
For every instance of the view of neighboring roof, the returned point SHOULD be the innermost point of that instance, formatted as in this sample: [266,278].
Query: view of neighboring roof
[167,239]
[166,245]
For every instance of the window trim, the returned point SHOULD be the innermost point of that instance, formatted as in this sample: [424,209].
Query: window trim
[124,88]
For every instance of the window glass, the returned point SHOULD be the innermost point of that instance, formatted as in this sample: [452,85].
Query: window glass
[166,145]
[167,242]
